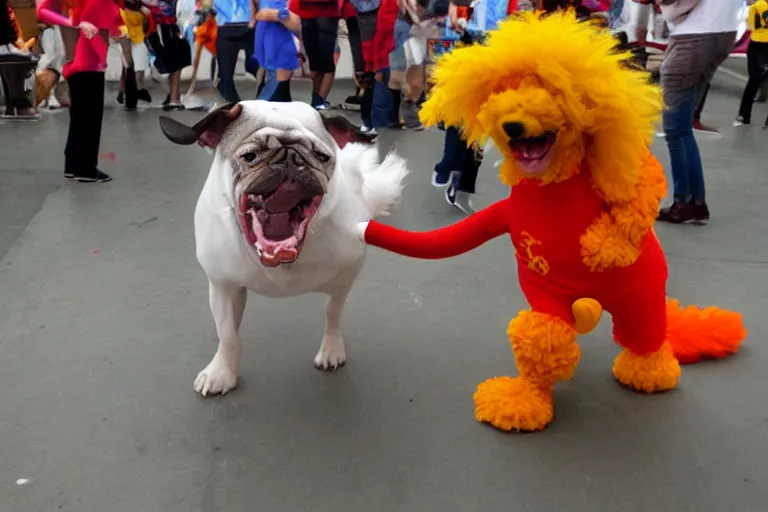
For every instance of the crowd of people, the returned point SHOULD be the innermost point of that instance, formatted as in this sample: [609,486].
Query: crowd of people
[388,40]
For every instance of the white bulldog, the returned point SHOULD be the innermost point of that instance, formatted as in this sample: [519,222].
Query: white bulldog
[278,215]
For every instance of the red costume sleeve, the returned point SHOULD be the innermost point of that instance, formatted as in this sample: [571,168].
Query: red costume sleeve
[445,242]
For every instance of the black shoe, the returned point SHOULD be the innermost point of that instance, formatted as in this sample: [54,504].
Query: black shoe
[167,100]
[173,106]
[678,213]
[120,98]
[144,95]
[353,100]
[97,177]
[700,214]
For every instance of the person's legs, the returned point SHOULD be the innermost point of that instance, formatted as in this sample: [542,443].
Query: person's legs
[366,106]
[396,80]
[320,42]
[14,74]
[248,42]
[755,59]
[282,90]
[415,56]
[462,186]
[452,160]
[129,74]
[141,64]
[86,114]
[227,48]
[684,157]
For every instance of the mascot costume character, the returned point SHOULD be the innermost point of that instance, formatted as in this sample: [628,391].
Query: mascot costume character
[573,121]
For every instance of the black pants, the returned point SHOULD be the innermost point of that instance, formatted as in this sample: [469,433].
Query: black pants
[355,44]
[230,40]
[757,59]
[458,157]
[86,111]
[12,76]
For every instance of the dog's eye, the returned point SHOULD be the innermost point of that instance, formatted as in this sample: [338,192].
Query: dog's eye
[322,157]
[248,157]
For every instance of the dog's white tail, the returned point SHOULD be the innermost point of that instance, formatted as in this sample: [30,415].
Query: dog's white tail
[382,183]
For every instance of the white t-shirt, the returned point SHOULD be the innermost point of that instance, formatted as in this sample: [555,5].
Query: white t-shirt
[710,17]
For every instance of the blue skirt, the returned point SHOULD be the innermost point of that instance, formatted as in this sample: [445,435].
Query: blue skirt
[274,47]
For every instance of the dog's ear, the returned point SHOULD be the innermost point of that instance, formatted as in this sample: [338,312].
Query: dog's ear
[344,132]
[207,132]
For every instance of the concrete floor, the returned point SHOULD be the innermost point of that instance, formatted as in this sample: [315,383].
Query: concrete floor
[104,324]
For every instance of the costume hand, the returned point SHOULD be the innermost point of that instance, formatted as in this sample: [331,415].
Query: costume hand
[361,229]
[88,29]
[252,23]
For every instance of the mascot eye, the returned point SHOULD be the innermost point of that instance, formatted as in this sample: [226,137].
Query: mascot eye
[248,157]
[322,157]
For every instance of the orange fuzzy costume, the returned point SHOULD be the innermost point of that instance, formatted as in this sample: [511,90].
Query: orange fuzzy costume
[573,123]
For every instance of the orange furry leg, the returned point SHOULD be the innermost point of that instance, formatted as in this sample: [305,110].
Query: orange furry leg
[649,373]
[696,333]
[546,352]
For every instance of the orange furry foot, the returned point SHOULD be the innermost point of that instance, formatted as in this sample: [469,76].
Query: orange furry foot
[658,371]
[513,404]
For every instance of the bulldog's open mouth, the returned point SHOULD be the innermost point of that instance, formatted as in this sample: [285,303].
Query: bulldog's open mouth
[533,153]
[276,224]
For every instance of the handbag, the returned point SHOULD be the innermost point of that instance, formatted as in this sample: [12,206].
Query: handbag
[676,11]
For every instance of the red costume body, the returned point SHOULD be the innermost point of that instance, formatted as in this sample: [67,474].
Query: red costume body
[551,272]
[585,193]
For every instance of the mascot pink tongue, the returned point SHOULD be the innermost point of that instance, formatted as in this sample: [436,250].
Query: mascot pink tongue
[574,134]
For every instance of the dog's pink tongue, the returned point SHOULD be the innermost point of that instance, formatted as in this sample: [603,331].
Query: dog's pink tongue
[284,198]
[276,226]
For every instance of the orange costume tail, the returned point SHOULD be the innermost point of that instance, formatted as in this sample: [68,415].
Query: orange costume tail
[709,333]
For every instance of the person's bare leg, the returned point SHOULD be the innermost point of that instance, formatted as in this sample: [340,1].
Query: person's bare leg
[325,84]
[195,66]
[173,82]
[414,78]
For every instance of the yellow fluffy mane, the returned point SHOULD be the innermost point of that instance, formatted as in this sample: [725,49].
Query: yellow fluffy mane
[556,74]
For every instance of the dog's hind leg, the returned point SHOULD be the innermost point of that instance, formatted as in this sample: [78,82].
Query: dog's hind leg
[332,354]
[227,303]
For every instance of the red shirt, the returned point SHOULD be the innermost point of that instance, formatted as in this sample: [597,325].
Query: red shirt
[308,10]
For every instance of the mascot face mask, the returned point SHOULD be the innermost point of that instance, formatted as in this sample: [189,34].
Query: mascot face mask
[530,129]
[549,108]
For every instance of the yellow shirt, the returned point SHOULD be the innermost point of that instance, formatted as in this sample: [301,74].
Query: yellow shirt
[758,21]
[134,25]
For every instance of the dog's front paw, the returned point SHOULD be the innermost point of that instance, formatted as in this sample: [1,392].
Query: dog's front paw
[216,379]
[332,355]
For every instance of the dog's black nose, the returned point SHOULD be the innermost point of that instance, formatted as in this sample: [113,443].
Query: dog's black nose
[514,130]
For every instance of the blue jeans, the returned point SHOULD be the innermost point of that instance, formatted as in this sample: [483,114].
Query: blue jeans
[684,156]
[383,112]
[457,157]
[270,86]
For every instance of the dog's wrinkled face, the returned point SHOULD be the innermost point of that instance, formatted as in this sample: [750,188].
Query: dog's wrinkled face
[282,156]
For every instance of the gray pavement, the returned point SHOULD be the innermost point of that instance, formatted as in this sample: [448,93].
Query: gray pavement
[104,324]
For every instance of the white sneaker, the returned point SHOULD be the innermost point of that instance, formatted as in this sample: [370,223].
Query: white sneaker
[52,102]
[739,121]
[459,199]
